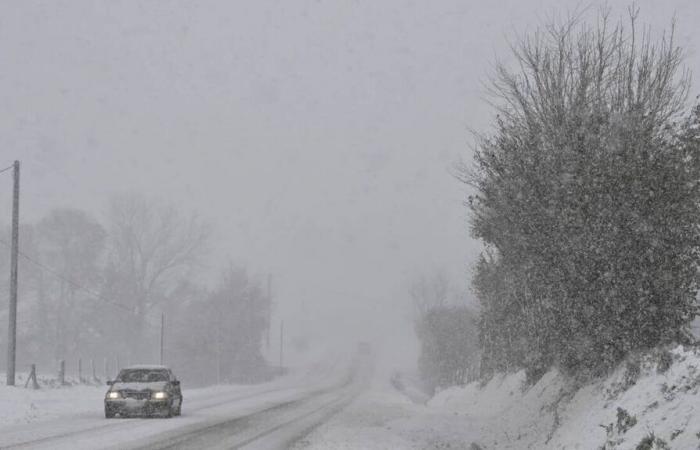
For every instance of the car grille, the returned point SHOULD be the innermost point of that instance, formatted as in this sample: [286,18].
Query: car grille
[137,395]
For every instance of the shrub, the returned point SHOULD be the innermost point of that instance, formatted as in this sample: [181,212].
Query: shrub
[587,196]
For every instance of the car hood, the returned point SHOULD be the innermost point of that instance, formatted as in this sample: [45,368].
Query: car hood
[153,386]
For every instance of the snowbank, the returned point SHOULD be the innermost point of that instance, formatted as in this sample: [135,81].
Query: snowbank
[20,405]
[655,401]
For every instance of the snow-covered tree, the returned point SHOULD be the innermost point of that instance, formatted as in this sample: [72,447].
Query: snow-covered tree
[587,196]
[447,331]
[449,346]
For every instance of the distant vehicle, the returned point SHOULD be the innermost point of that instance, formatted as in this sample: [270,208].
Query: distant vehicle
[364,348]
[144,391]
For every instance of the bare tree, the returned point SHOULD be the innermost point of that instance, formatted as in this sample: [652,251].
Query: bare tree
[151,247]
[429,292]
[446,330]
[71,244]
[222,331]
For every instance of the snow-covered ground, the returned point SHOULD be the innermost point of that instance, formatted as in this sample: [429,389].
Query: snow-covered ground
[618,412]
[72,417]
[27,406]
[19,405]
[383,418]
[552,414]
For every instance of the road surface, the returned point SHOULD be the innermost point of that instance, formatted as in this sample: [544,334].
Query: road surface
[260,417]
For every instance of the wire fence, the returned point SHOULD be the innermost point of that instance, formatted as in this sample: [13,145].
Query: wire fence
[68,373]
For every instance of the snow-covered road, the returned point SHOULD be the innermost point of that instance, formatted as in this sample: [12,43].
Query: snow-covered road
[349,405]
[273,415]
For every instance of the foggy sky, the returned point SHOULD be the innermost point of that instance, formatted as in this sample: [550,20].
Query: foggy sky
[316,136]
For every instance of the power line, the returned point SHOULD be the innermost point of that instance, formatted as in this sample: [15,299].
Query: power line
[7,168]
[68,280]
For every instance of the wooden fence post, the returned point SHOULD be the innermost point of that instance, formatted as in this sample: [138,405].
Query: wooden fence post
[92,366]
[62,372]
[32,378]
[106,369]
[80,370]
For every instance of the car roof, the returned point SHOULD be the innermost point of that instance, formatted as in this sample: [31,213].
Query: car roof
[148,366]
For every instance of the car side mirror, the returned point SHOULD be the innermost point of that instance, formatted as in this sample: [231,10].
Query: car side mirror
[110,382]
[175,382]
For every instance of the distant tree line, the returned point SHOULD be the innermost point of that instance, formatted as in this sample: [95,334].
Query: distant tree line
[586,194]
[96,290]
[226,326]
[447,330]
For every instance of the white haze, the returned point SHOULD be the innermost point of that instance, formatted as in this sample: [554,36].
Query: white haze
[316,136]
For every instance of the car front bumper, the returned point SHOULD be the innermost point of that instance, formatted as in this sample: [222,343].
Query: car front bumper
[136,407]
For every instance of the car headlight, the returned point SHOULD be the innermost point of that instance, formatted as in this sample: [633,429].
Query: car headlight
[113,394]
[160,395]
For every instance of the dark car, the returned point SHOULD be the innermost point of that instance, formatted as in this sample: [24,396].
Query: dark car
[144,391]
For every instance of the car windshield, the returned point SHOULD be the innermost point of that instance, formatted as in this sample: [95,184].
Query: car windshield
[142,375]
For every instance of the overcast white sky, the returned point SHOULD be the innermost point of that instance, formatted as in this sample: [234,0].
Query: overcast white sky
[315,135]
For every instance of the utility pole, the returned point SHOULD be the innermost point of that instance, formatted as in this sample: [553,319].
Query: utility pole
[269,310]
[162,336]
[12,315]
[218,353]
[281,346]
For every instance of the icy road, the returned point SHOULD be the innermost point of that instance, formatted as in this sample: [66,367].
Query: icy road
[274,415]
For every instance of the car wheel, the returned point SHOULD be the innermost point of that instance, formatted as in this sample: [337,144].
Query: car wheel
[109,414]
[178,411]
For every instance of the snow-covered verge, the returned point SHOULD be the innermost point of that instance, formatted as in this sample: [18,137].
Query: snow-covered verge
[654,400]
[19,405]
[383,418]
[657,400]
